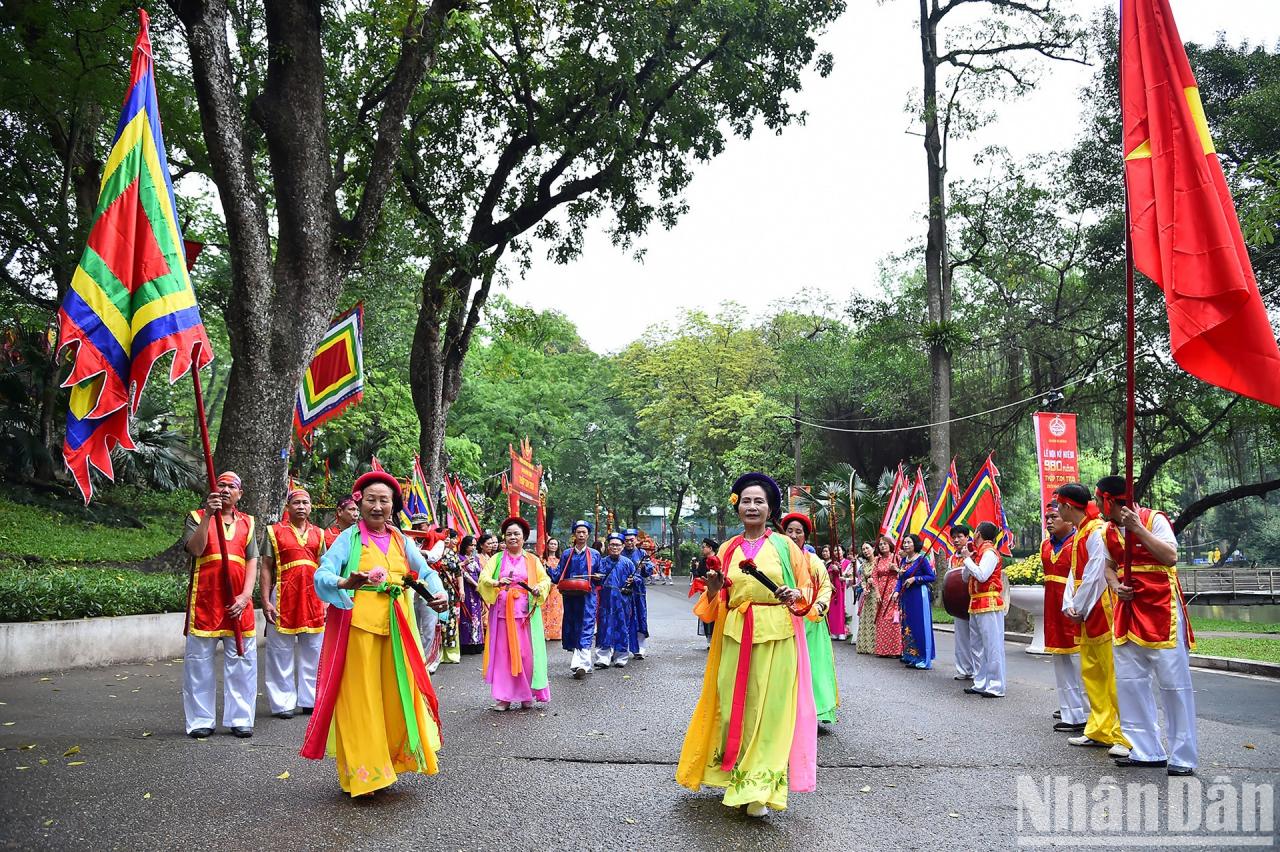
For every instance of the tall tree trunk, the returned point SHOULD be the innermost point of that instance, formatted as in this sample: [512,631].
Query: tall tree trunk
[287,267]
[676,531]
[937,274]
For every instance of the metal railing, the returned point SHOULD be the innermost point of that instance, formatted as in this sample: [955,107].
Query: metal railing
[1245,579]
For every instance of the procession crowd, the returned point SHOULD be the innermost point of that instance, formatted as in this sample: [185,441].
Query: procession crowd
[360,614]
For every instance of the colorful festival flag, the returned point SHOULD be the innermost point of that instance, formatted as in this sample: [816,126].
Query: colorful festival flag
[417,498]
[936,532]
[914,518]
[981,502]
[335,377]
[1182,222]
[130,300]
[896,493]
[461,516]
[899,511]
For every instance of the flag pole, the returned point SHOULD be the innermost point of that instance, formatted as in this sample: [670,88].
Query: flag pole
[1130,379]
[213,486]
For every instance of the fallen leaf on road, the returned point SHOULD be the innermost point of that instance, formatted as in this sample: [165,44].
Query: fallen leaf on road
[918,739]
[146,733]
[954,815]
[45,679]
[630,821]
[891,785]
[111,696]
[48,823]
[73,750]
[27,747]
[76,763]
[22,767]
[1246,745]
[283,775]
[146,795]
[44,761]
[865,790]
[7,724]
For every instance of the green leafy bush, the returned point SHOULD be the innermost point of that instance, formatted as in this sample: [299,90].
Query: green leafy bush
[49,594]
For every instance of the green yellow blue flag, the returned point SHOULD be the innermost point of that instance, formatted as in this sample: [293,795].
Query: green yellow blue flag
[130,300]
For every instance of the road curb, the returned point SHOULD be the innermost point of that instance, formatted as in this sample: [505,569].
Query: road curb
[41,646]
[1203,661]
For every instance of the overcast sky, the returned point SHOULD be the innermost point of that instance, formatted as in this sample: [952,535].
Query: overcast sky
[822,204]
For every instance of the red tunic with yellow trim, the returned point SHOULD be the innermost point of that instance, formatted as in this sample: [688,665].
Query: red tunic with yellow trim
[987,596]
[1151,618]
[1097,625]
[1061,634]
[331,535]
[297,555]
[211,592]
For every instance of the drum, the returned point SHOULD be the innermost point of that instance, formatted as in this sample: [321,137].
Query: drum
[955,594]
[574,587]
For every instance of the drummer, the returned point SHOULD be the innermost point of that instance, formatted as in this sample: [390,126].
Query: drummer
[956,599]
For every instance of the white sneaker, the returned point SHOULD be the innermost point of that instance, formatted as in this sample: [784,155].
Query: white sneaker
[757,809]
[1085,741]
[1118,750]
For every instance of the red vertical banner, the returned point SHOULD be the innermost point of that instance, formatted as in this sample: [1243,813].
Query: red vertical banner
[795,496]
[1056,453]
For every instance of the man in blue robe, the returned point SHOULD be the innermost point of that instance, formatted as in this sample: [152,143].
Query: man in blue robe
[616,630]
[578,628]
[644,570]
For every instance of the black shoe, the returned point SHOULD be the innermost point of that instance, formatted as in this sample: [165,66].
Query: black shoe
[990,695]
[963,677]
[579,674]
[602,665]
[1069,727]
[1141,764]
[242,733]
[201,733]
[1057,714]
[284,714]
[969,690]
[1181,771]
[305,711]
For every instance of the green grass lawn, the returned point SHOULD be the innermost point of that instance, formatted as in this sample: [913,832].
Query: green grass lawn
[941,616]
[1266,650]
[1226,625]
[48,532]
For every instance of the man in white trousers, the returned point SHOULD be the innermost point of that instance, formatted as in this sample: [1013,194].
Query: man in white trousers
[965,650]
[220,603]
[1152,633]
[983,570]
[294,613]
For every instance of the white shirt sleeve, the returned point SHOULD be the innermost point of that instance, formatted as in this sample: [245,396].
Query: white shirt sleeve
[982,570]
[1092,580]
[1163,530]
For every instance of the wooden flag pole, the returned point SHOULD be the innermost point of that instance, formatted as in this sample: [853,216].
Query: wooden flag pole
[213,486]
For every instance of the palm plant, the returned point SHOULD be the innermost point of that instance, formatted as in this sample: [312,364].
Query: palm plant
[161,458]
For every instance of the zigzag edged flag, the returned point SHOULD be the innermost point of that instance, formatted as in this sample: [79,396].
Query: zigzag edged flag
[935,531]
[899,510]
[417,497]
[461,516]
[981,502]
[130,300]
[335,377]
[896,495]
[918,509]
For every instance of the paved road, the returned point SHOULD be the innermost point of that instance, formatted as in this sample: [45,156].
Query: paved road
[593,771]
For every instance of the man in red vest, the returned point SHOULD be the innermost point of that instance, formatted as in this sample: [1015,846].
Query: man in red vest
[216,603]
[295,615]
[1062,634]
[983,570]
[1152,633]
[346,516]
[966,644]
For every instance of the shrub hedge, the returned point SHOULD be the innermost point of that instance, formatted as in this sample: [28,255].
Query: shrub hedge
[55,593]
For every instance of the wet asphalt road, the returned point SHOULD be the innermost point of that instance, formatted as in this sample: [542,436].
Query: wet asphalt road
[911,763]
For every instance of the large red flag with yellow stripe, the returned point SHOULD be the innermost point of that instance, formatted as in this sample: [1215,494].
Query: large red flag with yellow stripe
[1182,222]
[130,300]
